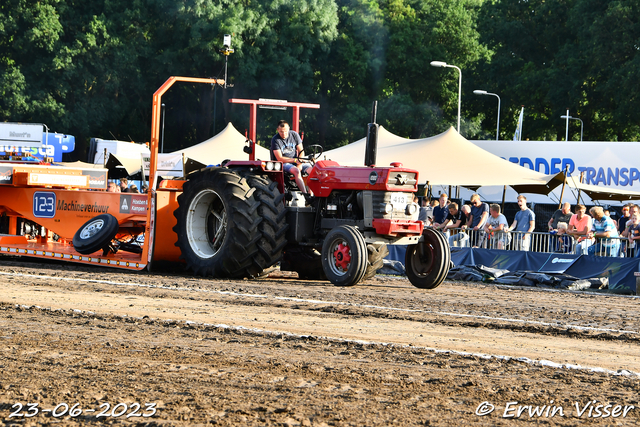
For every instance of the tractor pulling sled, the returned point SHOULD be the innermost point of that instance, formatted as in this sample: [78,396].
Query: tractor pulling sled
[237,220]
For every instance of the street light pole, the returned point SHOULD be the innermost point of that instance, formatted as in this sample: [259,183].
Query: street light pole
[444,64]
[573,118]
[484,92]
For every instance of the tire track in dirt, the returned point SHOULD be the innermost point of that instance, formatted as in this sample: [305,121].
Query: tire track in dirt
[364,323]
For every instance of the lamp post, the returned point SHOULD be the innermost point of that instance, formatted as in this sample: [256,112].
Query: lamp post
[484,92]
[444,64]
[568,117]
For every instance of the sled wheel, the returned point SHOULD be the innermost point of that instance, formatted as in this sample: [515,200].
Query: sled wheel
[376,254]
[427,263]
[344,256]
[95,234]
[217,225]
[305,261]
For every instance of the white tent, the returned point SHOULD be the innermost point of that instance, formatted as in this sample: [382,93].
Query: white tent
[227,145]
[448,159]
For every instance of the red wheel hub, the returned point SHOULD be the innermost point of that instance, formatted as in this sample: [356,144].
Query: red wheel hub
[342,256]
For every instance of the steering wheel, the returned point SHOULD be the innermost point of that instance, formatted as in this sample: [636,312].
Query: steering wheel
[315,153]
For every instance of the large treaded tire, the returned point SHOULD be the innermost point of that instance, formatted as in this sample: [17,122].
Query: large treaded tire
[218,225]
[427,263]
[95,234]
[274,219]
[344,256]
[376,254]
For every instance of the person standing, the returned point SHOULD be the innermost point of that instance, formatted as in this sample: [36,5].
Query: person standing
[524,223]
[561,215]
[479,215]
[605,233]
[457,220]
[441,212]
[633,235]
[124,185]
[579,228]
[497,228]
[625,248]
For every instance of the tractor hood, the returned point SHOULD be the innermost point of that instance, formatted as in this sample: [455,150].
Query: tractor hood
[327,175]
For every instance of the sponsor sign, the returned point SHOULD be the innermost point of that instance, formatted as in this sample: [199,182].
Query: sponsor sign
[558,263]
[133,204]
[55,179]
[21,134]
[44,204]
[6,175]
[76,206]
[167,164]
[97,178]
[610,164]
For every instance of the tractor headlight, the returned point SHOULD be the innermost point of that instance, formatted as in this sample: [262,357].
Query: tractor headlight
[386,208]
[411,209]
[269,166]
[277,166]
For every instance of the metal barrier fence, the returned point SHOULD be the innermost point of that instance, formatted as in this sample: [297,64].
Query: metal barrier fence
[541,242]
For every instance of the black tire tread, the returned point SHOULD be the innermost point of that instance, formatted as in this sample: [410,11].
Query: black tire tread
[236,258]
[99,240]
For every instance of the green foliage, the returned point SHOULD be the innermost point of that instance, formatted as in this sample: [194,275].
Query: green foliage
[90,68]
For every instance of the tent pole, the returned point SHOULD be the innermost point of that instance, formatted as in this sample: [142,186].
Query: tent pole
[504,193]
[563,184]
[581,178]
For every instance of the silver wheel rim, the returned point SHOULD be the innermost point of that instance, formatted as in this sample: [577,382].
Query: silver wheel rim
[206,223]
[91,229]
[335,269]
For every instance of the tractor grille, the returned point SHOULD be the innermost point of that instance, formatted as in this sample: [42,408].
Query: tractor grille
[402,181]
[399,200]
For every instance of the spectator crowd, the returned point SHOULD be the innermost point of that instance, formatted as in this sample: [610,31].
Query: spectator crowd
[481,225]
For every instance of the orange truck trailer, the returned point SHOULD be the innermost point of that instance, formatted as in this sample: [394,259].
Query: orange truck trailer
[236,220]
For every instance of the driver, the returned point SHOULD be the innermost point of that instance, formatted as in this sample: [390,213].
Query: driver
[286,146]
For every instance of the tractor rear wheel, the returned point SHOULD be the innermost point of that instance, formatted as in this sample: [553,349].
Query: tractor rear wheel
[273,226]
[217,225]
[427,263]
[344,256]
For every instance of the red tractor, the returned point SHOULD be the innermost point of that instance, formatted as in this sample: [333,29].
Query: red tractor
[236,220]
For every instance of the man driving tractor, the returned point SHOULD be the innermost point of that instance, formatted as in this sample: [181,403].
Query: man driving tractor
[286,146]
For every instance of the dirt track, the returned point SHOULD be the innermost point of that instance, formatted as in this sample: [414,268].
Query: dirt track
[281,351]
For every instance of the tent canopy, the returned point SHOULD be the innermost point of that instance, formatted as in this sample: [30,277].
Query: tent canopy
[448,159]
[227,145]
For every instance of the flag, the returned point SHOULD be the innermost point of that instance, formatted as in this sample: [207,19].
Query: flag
[518,135]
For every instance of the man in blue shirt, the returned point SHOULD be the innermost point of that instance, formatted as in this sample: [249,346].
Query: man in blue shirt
[477,219]
[286,146]
[524,223]
[440,213]
[605,232]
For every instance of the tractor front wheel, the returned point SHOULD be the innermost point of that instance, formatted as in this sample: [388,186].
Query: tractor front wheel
[427,263]
[344,256]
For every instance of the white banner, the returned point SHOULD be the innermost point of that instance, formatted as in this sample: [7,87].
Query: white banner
[169,164]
